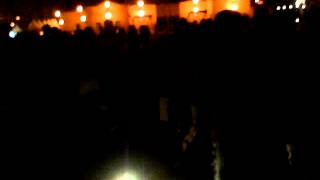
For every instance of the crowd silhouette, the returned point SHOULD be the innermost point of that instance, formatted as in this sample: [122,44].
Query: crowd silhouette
[252,97]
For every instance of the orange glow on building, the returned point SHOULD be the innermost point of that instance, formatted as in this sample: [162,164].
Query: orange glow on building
[233,6]
[142,13]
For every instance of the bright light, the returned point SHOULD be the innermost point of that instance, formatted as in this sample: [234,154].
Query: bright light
[108,15]
[41,33]
[18,18]
[12,24]
[141,13]
[127,176]
[300,2]
[303,6]
[61,22]
[140,3]
[195,9]
[57,14]
[284,7]
[297,20]
[83,18]
[278,8]
[195,1]
[107,4]
[12,34]
[233,6]
[79,8]
[290,6]
[257,1]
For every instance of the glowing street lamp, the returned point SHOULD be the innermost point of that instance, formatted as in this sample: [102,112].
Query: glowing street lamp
[141,13]
[41,33]
[195,9]
[284,7]
[61,22]
[79,9]
[256,1]
[12,34]
[297,20]
[303,6]
[18,18]
[12,24]
[195,1]
[83,18]
[290,6]
[108,15]
[57,14]
[107,4]
[140,3]
[233,6]
[278,8]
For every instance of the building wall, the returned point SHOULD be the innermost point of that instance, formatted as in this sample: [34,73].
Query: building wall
[244,6]
[150,18]
[125,15]
[205,10]
[96,14]
[168,10]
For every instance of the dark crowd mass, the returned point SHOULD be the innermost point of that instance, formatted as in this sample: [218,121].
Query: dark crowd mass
[85,105]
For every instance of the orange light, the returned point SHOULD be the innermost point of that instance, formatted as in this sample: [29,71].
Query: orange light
[233,6]
[83,18]
[195,9]
[57,14]
[107,4]
[141,13]
[41,33]
[108,15]
[79,9]
[18,18]
[140,3]
[61,22]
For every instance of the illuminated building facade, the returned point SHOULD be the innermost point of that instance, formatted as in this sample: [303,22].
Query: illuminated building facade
[143,12]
